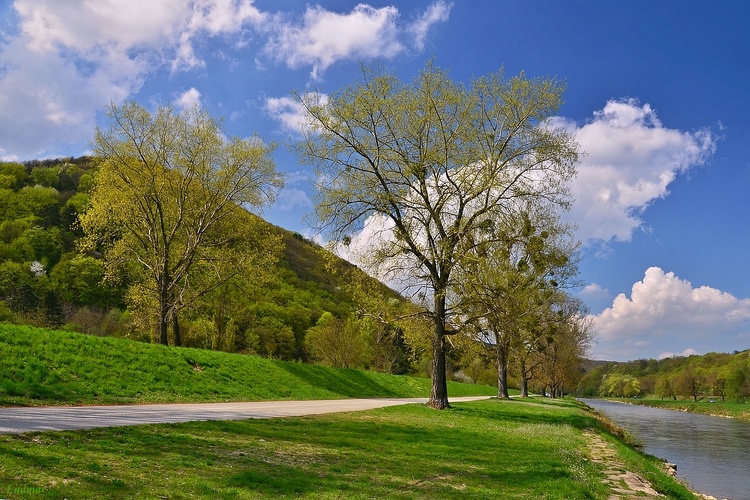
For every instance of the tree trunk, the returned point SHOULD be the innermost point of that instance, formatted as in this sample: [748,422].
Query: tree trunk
[176,329]
[524,380]
[502,369]
[163,318]
[439,393]
[165,306]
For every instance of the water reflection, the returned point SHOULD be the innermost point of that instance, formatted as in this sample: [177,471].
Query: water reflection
[713,453]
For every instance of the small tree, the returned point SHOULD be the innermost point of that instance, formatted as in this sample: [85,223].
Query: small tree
[691,383]
[736,382]
[336,343]
[719,386]
[665,388]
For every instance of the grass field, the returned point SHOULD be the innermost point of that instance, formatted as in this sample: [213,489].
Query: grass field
[490,449]
[43,367]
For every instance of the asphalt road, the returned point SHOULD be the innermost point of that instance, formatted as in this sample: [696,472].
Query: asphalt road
[17,420]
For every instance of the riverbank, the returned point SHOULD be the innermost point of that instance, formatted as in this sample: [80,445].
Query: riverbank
[712,454]
[705,406]
[536,448]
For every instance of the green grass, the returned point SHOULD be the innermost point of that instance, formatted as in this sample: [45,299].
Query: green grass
[705,406]
[490,449]
[42,367]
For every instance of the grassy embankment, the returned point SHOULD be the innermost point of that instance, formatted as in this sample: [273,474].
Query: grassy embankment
[489,449]
[704,406]
[43,367]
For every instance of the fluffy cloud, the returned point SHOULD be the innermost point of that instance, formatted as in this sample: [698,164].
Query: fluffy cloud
[64,61]
[665,312]
[189,98]
[323,37]
[69,59]
[594,291]
[288,112]
[435,13]
[631,158]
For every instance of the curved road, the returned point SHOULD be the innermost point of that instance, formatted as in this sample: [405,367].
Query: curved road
[17,420]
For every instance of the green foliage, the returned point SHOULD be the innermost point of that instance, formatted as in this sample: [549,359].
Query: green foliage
[716,376]
[337,343]
[620,386]
[170,200]
[80,280]
[15,171]
[439,164]
[268,316]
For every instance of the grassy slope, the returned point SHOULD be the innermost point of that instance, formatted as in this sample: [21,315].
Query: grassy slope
[490,449]
[40,366]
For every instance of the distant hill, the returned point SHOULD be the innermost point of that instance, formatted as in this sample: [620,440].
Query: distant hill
[719,375]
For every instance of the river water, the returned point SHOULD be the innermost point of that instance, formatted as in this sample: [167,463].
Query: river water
[711,453]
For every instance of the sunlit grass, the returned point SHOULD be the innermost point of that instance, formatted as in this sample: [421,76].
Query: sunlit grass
[490,449]
[41,366]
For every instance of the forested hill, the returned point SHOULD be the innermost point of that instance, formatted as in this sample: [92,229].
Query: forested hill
[290,312]
[713,375]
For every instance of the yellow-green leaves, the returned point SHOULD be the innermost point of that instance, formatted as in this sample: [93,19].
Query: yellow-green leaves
[437,163]
[168,203]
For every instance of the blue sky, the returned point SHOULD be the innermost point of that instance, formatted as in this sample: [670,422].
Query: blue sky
[657,97]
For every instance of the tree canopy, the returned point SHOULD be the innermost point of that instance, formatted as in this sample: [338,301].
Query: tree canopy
[171,198]
[434,167]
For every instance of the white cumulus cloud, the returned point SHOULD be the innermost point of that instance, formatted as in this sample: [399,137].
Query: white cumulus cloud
[189,98]
[323,37]
[289,113]
[594,291]
[668,313]
[67,60]
[61,62]
[630,160]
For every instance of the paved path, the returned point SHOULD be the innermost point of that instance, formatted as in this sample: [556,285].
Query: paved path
[56,418]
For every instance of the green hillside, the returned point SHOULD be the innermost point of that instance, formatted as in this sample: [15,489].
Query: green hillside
[41,366]
[46,281]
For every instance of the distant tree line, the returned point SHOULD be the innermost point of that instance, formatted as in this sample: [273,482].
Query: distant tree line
[720,376]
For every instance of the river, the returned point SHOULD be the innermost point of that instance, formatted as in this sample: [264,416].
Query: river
[711,453]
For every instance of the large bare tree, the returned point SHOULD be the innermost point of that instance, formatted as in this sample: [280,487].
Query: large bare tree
[434,165]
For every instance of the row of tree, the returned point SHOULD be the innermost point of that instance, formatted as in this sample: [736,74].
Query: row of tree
[720,376]
[461,188]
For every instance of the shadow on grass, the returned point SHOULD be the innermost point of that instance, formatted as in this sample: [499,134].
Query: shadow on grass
[532,410]
[344,382]
[408,451]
